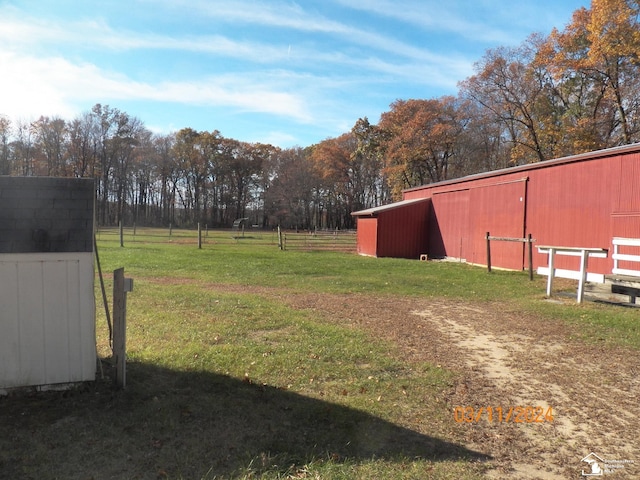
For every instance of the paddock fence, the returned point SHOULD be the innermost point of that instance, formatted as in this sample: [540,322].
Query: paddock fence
[318,240]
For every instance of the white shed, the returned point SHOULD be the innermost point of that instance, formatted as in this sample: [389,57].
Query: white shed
[47,305]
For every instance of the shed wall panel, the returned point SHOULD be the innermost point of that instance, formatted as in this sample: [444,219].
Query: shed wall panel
[403,232]
[9,321]
[367,236]
[57,321]
[31,320]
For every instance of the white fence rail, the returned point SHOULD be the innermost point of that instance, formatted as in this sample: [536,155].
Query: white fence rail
[624,257]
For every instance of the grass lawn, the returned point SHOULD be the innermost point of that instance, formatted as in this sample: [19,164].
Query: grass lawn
[225,382]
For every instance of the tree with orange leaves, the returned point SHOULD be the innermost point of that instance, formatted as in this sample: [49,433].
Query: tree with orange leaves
[422,137]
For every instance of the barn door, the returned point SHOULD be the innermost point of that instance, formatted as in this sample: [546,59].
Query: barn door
[499,209]
[448,226]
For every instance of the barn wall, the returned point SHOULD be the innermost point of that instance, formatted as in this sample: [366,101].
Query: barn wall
[461,219]
[583,200]
[404,232]
[449,225]
[625,217]
[499,209]
[367,236]
[572,205]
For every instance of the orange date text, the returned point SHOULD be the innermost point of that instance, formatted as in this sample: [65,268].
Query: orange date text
[519,414]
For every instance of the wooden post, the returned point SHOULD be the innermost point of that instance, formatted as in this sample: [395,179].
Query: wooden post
[280,246]
[199,236]
[488,254]
[121,235]
[121,286]
[170,228]
[104,292]
[530,247]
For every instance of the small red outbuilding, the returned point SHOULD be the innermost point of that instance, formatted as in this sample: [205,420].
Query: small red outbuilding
[578,201]
[396,230]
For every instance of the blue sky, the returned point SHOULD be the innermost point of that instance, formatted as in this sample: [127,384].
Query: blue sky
[281,72]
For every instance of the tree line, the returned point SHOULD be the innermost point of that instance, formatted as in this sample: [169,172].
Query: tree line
[572,91]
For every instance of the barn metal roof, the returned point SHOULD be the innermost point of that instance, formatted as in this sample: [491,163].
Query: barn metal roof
[372,212]
[608,152]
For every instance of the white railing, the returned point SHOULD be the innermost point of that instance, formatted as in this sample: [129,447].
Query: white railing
[581,275]
[618,257]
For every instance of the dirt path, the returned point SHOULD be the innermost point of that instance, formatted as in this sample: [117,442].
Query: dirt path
[508,360]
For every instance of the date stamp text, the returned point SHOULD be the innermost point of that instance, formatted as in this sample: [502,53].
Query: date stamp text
[515,414]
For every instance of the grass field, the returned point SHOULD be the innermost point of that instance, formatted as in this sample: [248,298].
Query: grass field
[226,380]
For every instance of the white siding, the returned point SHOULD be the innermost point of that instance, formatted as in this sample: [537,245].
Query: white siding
[47,319]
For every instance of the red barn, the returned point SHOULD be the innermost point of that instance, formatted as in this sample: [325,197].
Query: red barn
[579,201]
[397,230]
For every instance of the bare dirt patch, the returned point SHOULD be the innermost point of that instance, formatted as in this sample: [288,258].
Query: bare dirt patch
[508,359]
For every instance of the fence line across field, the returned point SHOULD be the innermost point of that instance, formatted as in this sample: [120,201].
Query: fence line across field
[185,235]
[337,240]
[341,240]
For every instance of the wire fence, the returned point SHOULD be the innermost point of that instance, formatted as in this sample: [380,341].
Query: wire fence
[338,240]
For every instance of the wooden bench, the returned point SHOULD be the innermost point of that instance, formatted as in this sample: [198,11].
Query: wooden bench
[633,292]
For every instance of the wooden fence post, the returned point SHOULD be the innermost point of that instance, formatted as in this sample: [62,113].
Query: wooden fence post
[199,236]
[488,253]
[530,245]
[121,286]
[121,234]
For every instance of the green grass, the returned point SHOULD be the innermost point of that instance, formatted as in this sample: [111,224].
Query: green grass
[257,261]
[230,383]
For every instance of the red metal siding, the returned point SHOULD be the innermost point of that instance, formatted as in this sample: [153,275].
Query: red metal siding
[571,205]
[628,195]
[367,236]
[579,201]
[500,210]
[461,219]
[449,232]
[625,219]
[403,232]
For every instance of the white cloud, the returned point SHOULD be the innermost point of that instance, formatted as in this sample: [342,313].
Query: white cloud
[33,86]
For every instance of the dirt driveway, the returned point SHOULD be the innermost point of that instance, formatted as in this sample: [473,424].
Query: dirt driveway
[509,360]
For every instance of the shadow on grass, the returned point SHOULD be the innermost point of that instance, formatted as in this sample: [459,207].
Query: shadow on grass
[170,424]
